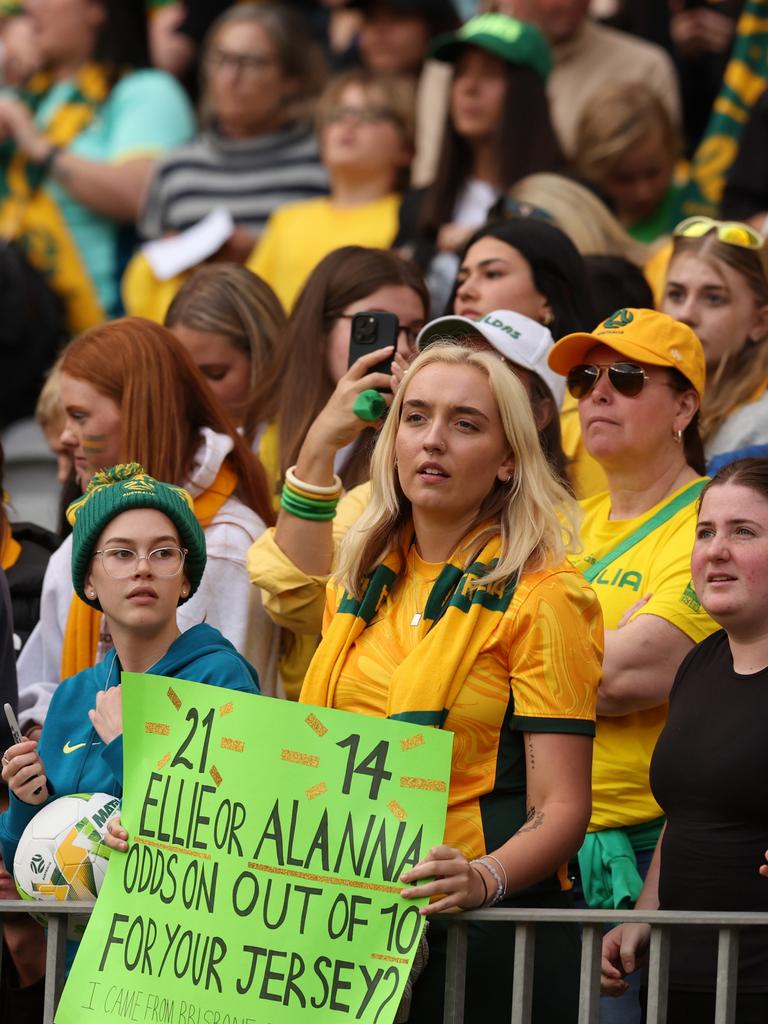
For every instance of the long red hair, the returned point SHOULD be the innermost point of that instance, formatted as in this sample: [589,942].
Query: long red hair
[163,401]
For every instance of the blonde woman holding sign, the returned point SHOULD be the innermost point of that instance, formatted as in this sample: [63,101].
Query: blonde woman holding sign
[454,608]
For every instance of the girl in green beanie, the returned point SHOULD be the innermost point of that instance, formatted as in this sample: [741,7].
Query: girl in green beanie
[138,552]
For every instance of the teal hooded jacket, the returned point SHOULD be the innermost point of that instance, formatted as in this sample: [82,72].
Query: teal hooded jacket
[75,759]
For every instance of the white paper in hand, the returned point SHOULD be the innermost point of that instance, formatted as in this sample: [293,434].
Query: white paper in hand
[170,256]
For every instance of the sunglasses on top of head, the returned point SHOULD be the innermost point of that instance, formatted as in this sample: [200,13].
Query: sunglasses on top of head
[732,232]
[628,379]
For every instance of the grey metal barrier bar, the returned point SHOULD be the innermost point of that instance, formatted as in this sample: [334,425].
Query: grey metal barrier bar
[58,915]
[727,968]
[525,918]
[522,972]
[589,982]
[662,922]
[658,976]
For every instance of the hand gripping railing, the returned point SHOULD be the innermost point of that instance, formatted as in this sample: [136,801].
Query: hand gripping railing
[526,919]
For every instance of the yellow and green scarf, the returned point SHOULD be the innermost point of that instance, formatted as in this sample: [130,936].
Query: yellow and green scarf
[425,685]
[28,211]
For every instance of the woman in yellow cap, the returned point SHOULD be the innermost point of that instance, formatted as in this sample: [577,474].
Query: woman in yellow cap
[639,380]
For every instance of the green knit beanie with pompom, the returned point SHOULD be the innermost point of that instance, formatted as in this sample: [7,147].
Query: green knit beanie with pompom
[120,489]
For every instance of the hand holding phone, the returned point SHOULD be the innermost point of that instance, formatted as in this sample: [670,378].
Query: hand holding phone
[372,331]
[13,725]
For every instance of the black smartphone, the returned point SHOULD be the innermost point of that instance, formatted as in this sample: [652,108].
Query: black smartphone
[371,331]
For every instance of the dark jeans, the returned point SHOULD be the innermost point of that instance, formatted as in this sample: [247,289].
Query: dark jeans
[490,956]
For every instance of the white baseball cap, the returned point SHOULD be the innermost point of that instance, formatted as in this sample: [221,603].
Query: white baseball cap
[517,338]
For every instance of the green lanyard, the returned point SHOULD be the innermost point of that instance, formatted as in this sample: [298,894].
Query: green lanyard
[665,513]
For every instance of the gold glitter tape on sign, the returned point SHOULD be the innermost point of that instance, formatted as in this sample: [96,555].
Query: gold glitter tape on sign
[399,812]
[412,741]
[414,782]
[354,883]
[316,725]
[157,728]
[226,709]
[297,757]
[317,790]
[227,743]
[174,698]
[214,773]
[173,849]
[164,760]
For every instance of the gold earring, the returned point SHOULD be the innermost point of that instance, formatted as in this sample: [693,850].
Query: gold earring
[678,436]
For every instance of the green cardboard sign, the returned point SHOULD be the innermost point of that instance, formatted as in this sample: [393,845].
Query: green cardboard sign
[261,882]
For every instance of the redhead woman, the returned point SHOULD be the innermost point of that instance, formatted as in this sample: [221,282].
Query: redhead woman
[709,768]
[480,627]
[131,391]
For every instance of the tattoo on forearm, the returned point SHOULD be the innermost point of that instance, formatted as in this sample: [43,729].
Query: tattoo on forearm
[531,758]
[533,820]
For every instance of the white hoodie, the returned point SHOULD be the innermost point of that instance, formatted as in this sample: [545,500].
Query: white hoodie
[225,598]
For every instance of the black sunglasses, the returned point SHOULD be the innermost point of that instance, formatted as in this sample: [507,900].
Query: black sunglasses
[626,378]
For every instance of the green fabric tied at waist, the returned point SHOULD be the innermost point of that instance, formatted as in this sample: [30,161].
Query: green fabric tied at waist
[608,866]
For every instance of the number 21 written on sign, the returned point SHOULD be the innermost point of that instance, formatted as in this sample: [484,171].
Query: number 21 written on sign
[194,718]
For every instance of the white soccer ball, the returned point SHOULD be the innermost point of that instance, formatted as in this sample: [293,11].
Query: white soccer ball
[61,854]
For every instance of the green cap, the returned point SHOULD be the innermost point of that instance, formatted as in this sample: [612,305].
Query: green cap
[514,41]
[120,489]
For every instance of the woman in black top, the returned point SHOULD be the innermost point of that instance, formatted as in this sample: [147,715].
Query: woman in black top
[710,768]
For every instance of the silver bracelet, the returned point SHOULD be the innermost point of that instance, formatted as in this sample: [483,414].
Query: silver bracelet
[503,870]
[500,893]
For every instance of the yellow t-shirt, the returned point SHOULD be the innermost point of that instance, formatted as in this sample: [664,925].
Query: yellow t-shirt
[660,565]
[299,235]
[539,672]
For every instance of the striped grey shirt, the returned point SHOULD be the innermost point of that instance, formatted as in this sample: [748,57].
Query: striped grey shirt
[249,177]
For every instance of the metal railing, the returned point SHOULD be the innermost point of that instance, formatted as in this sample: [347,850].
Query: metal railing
[525,919]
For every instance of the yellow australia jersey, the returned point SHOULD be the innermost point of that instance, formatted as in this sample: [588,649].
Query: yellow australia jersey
[538,672]
[660,565]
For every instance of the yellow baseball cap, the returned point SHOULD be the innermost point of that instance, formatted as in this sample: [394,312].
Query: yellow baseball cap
[641,334]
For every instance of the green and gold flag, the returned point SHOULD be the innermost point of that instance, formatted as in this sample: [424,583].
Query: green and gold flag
[746,77]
